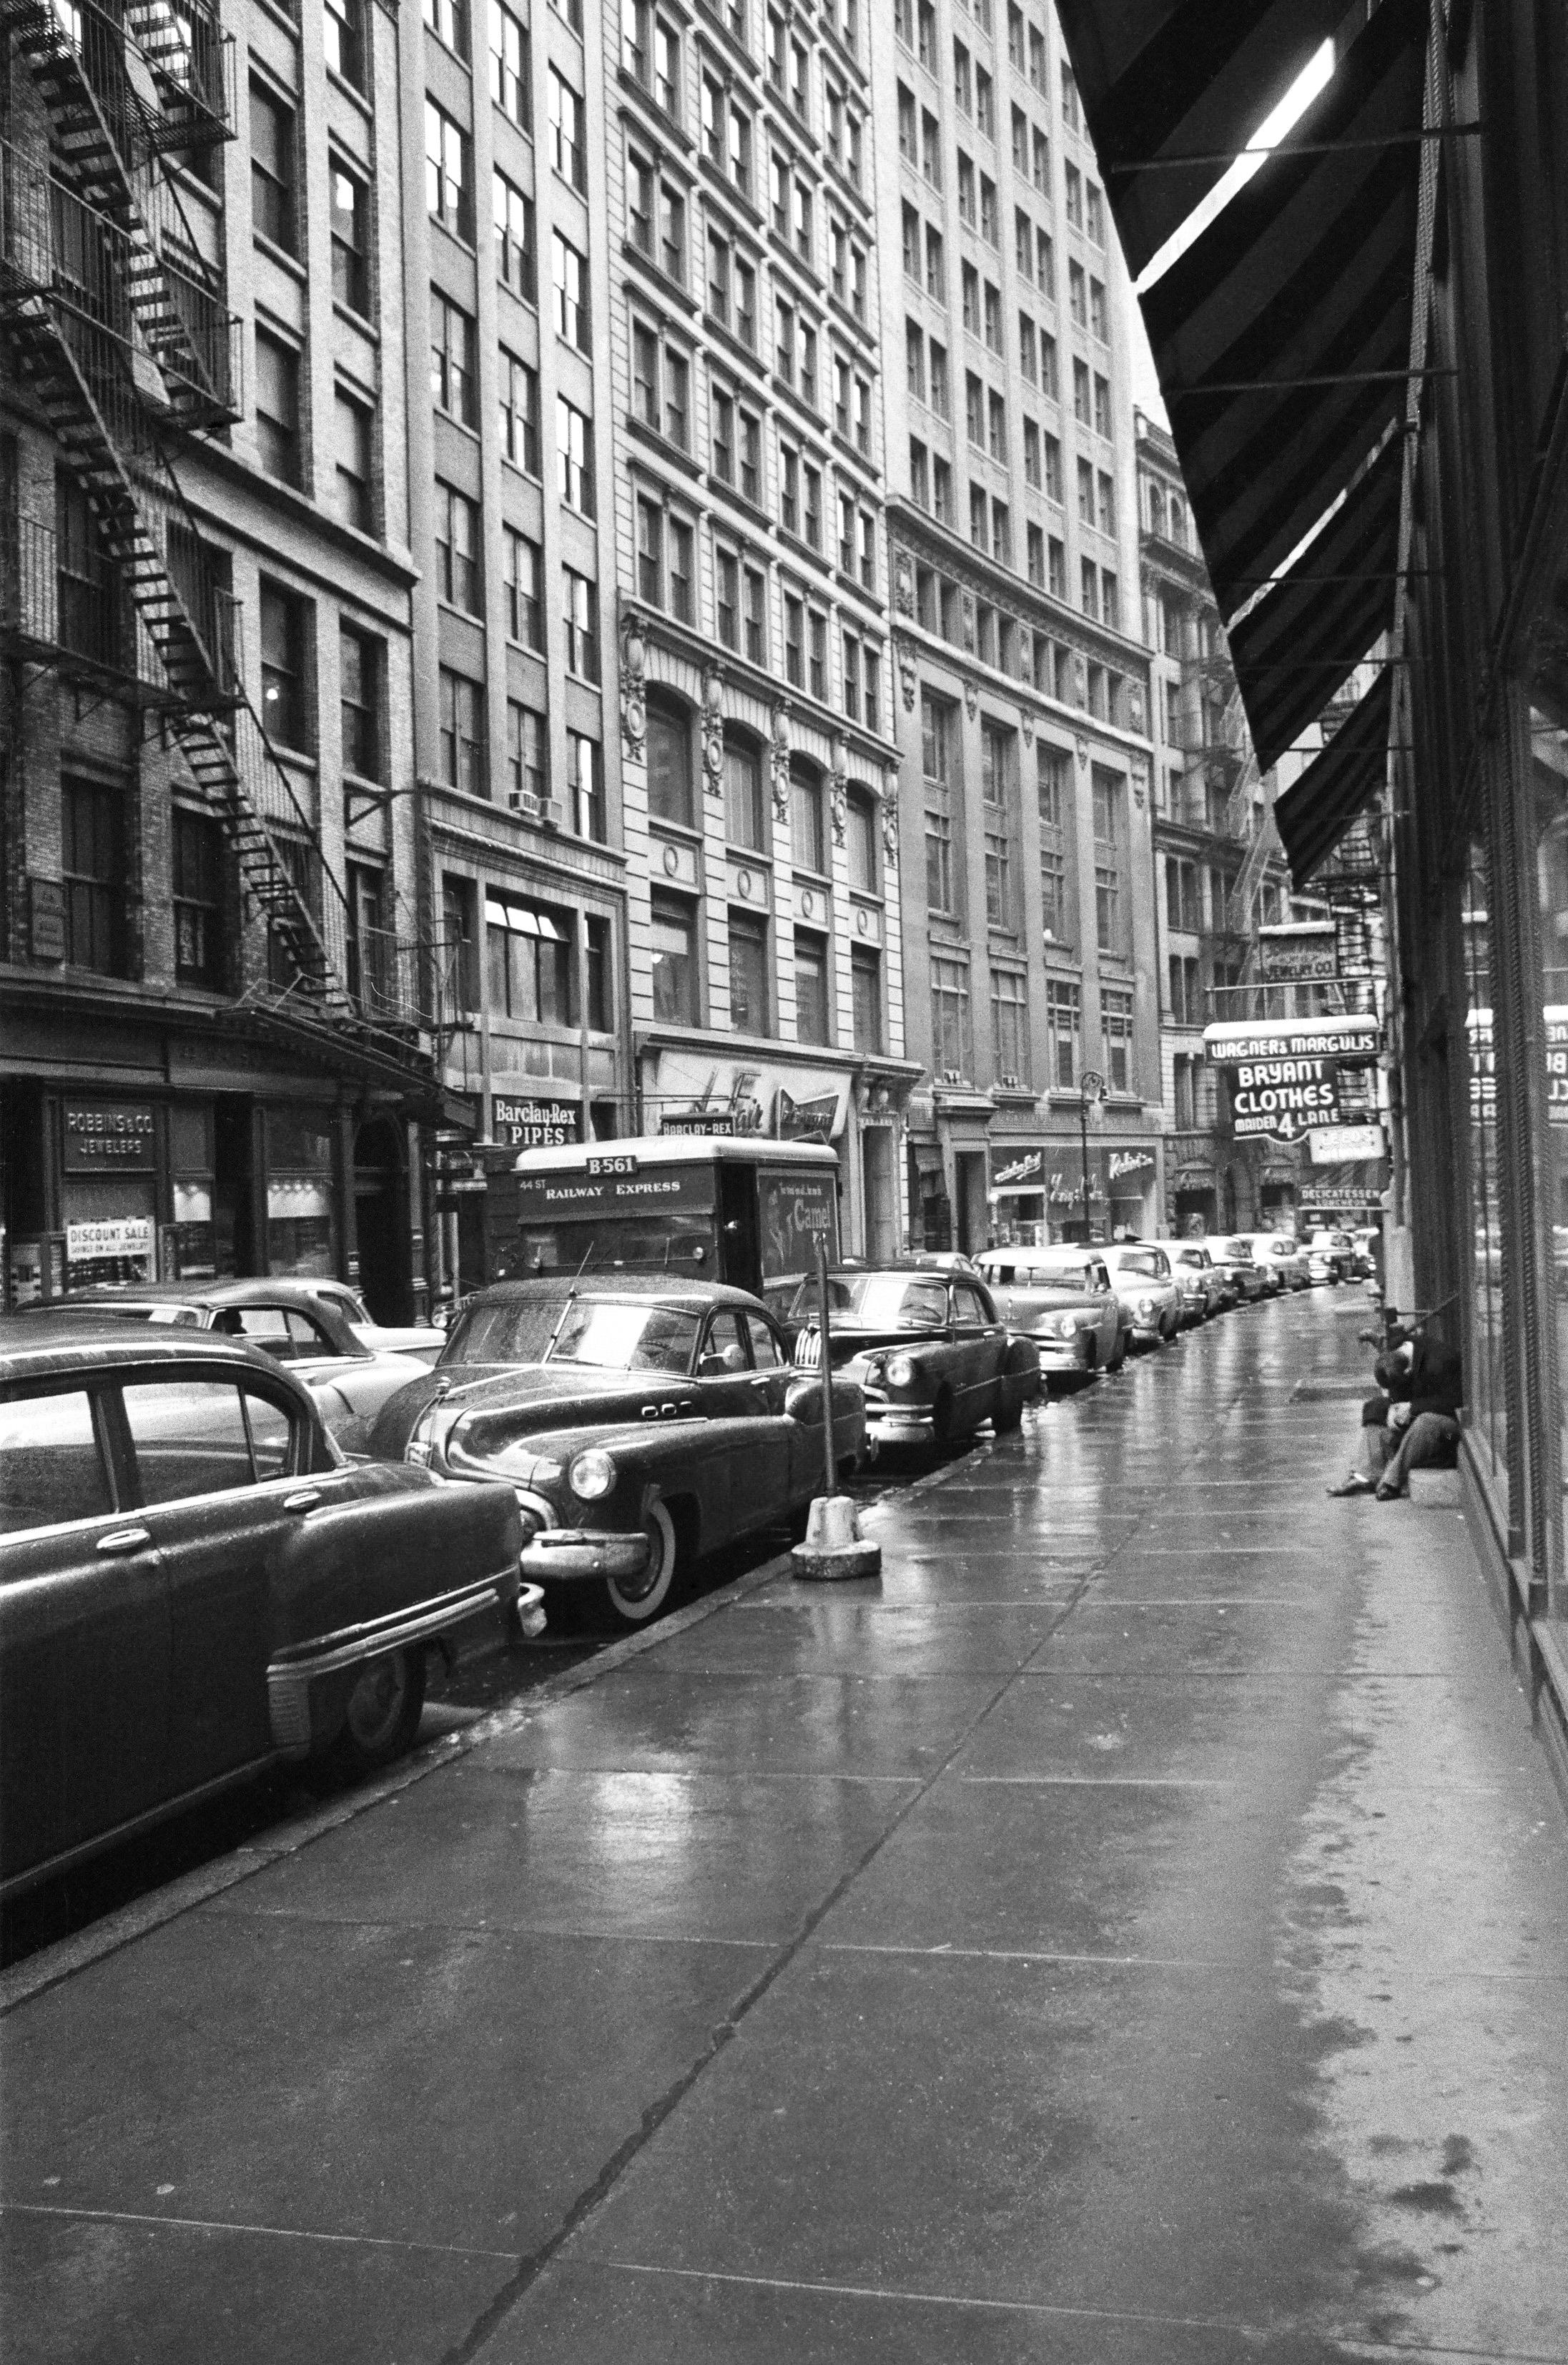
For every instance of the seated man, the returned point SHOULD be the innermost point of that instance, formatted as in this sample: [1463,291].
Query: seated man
[1414,1424]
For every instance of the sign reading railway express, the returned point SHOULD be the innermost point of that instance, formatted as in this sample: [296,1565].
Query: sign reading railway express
[1281,1098]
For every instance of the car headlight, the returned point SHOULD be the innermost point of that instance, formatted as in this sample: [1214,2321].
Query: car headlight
[1146,1305]
[592,1475]
[1066,1326]
[899,1372]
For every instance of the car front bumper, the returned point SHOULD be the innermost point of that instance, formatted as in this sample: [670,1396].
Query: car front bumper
[1062,1354]
[891,1424]
[581,1555]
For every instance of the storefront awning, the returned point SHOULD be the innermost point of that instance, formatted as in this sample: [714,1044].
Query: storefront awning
[1314,814]
[1162,79]
[1294,649]
[1281,336]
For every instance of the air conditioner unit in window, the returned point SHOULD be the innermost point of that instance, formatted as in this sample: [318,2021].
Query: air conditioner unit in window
[552,813]
[523,802]
[1011,1084]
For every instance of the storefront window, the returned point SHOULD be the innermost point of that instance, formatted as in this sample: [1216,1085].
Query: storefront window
[1485,1385]
[1549,774]
[300,1238]
[190,1244]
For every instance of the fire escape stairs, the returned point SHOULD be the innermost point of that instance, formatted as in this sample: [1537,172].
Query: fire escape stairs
[92,319]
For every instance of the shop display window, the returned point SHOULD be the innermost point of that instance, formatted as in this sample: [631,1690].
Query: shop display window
[301,1235]
[1549,831]
[1486,1384]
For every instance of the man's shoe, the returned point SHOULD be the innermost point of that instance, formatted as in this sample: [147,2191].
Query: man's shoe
[1355,1483]
[1390,1494]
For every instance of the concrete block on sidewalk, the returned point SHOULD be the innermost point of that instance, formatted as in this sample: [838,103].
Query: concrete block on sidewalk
[834,1547]
[1438,1488]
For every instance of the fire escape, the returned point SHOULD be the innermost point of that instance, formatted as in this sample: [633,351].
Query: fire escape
[117,328]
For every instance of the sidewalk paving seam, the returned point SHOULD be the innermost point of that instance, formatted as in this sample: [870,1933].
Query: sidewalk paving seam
[274,2233]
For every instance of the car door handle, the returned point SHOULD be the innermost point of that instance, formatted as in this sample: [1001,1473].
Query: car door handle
[763,1384]
[125,1540]
[306,1500]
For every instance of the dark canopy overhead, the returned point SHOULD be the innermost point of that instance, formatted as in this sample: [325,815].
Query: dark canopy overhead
[1181,78]
[1314,813]
[1307,273]
[1294,648]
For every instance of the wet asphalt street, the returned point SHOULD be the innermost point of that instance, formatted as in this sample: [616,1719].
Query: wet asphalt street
[1133,1933]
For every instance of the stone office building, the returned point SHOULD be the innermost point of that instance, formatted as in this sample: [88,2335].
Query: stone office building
[1021,704]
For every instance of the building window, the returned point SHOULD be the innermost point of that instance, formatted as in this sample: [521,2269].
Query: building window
[671,796]
[343,39]
[808,843]
[665,543]
[997,799]
[1110,915]
[525,578]
[277,409]
[353,440]
[1054,796]
[935,738]
[1101,406]
[579,614]
[528,754]
[674,921]
[748,975]
[449,180]
[349,198]
[361,688]
[1010,1024]
[568,278]
[453,381]
[509,65]
[569,153]
[459,573]
[597,972]
[866,1000]
[514,238]
[1117,1024]
[284,621]
[862,818]
[448,20]
[274,213]
[198,876]
[1186,990]
[530,963]
[519,413]
[747,823]
[1063,1008]
[93,875]
[463,733]
[661,386]
[949,1017]
[459,983]
[574,453]
[811,988]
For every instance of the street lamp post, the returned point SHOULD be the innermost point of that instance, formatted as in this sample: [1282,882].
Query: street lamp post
[1090,1087]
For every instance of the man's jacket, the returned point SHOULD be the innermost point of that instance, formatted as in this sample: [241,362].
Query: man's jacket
[1433,1383]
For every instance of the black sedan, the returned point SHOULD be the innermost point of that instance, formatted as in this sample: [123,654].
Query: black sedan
[640,1421]
[928,1349]
[194,1582]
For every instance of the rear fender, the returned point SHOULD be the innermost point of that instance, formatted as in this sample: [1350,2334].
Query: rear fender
[400,1540]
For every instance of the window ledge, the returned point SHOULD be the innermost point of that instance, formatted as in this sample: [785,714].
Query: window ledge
[289,263]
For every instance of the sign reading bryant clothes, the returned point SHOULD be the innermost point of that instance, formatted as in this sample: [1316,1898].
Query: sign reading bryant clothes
[1284,1075]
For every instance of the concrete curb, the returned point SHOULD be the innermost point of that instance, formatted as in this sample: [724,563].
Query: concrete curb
[51,1964]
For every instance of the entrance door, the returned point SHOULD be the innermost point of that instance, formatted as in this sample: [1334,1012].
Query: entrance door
[970,1175]
[739,1260]
[233,1197]
[383,1235]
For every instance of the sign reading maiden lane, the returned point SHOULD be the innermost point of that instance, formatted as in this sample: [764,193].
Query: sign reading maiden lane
[1283,1099]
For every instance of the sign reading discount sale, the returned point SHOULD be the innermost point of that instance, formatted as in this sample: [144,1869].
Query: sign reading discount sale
[1283,1099]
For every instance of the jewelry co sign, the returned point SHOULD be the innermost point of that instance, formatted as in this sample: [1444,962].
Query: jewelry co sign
[1283,1099]
[109,1137]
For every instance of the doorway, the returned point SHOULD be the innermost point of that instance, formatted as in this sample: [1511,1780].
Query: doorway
[233,1187]
[969,1176]
[379,1189]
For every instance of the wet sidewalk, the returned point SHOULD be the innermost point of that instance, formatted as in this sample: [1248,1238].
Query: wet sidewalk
[1134,1934]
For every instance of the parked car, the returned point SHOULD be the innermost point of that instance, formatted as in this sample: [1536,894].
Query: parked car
[194,1582]
[1203,1288]
[1364,1264]
[1062,1299]
[419,1340]
[293,1321]
[641,1422]
[1235,1257]
[928,1347]
[1334,1250]
[1140,1273]
[1280,1253]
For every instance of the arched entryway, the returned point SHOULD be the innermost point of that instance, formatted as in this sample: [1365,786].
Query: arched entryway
[381,1218]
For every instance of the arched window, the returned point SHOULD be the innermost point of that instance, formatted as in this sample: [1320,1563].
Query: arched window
[863,839]
[1156,510]
[807,837]
[1177,527]
[670,788]
[745,808]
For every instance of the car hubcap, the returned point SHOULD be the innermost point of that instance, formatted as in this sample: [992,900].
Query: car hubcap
[378,1701]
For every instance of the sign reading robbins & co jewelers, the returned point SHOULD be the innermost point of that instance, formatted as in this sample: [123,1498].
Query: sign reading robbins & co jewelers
[109,1137]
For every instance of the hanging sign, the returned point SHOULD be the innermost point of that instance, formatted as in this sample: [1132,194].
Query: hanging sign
[535,1124]
[1353,1039]
[1305,953]
[1281,1099]
[1344,1145]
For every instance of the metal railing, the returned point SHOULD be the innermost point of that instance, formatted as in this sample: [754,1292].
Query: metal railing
[193,59]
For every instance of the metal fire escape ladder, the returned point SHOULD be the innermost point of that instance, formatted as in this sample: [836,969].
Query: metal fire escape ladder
[101,95]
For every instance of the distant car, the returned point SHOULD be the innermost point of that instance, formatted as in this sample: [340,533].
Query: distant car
[641,1422]
[292,1321]
[1334,1249]
[1235,1257]
[1280,1253]
[422,1342]
[1140,1272]
[1062,1299]
[1203,1288]
[928,1347]
[194,1582]
[1363,1263]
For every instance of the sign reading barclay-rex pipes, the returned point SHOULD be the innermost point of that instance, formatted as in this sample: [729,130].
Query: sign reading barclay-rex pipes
[1282,1098]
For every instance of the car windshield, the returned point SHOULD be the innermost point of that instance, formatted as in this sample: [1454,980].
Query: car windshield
[876,1300]
[626,1338]
[1191,1256]
[507,1330]
[1239,1251]
[1148,1260]
[1057,1276]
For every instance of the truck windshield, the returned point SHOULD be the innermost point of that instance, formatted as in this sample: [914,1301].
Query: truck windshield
[626,1338]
